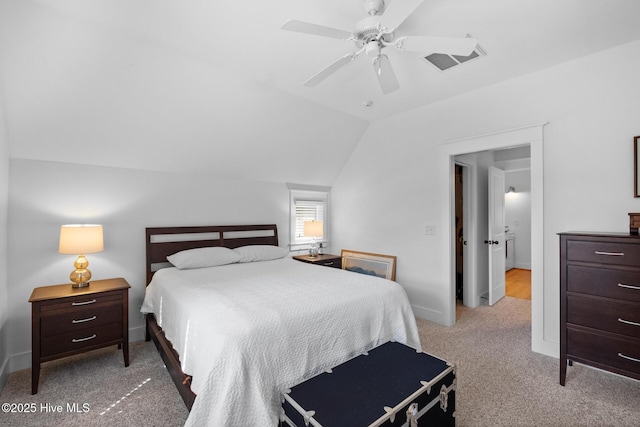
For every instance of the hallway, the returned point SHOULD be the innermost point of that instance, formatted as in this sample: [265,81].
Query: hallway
[518,283]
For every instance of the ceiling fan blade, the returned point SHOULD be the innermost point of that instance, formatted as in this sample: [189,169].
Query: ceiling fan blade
[315,29]
[449,45]
[386,76]
[331,68]
[398,11]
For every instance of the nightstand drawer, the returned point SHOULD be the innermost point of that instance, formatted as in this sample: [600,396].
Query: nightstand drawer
[78,340]
[66,320]
[79,302]
[324,260]
[335,263]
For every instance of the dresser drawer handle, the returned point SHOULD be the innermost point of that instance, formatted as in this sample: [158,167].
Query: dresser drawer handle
[89,319]
[84,302]
[628,286]
[629,358]
[610,253]
[83,339]
[628,322]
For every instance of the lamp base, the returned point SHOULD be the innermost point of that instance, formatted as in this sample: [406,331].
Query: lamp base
[80,285]
[81,275]
[313,250]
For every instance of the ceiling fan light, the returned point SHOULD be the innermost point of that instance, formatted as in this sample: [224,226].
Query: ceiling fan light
[373,48]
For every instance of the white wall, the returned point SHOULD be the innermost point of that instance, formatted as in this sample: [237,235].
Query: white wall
[4,300]
[45,195]
[388,190]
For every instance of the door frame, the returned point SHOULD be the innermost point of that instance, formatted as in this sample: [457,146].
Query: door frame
[469,278]
[531,135]
[496,245]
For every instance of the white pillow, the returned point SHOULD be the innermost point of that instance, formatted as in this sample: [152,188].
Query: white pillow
[253,253]
[203,257]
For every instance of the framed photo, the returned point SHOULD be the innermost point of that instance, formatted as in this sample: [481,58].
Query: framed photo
[636,164]
[367,263]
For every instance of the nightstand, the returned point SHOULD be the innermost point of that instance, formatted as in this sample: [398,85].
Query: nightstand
[326,260]
[67,321]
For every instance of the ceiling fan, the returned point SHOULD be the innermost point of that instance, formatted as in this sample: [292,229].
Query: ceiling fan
[376,32]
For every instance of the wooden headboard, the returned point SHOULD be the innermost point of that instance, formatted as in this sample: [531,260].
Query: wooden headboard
[164,241]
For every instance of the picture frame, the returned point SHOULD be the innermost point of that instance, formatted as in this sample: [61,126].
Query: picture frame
[378,265]
[636,164]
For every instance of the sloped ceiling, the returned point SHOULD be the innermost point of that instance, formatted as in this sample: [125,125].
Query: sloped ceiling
[216,87]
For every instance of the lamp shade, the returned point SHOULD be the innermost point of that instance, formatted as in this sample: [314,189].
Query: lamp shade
[78,239]
[313,229]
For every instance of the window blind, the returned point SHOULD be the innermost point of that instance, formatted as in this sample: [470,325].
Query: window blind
[308,210]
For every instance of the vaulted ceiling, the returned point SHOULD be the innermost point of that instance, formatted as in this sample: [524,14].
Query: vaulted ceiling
[215,87]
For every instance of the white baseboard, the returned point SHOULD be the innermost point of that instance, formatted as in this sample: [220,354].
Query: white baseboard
[548,348]
[4,372]
[21,361]
[428,314]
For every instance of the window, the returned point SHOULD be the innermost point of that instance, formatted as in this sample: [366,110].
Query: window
[307,210]
[308,204]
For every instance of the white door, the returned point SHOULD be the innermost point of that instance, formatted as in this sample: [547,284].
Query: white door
[496,242]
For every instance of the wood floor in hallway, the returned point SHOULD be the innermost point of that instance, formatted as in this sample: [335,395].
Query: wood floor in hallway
[518,283]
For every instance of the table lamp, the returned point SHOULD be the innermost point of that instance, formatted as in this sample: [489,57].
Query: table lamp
[313,229]
[80,239]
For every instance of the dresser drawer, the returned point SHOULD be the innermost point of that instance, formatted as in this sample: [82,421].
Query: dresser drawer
[605,350]
[619,318]
[79,301]
[65,320]
[77,340]
[605,282]
[603,252]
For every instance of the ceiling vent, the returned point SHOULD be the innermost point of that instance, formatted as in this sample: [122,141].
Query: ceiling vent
[445,62]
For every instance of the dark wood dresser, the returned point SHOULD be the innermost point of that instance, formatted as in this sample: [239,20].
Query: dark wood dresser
[600,302]
[67,321]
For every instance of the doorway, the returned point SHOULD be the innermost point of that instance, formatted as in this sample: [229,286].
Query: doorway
[531,135]
[480,232]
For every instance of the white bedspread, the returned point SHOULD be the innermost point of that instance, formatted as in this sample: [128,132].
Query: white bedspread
[246,332]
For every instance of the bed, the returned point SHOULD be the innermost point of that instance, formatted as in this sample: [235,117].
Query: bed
[234,336]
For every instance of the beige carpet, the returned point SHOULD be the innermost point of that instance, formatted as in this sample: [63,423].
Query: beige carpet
[500,382]
[139,395]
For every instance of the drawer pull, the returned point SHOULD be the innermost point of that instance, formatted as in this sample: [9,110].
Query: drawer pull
[83,339]
[84,302]
[629,358]
[89,319]
[610,253]
[628,322]
[628,286]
